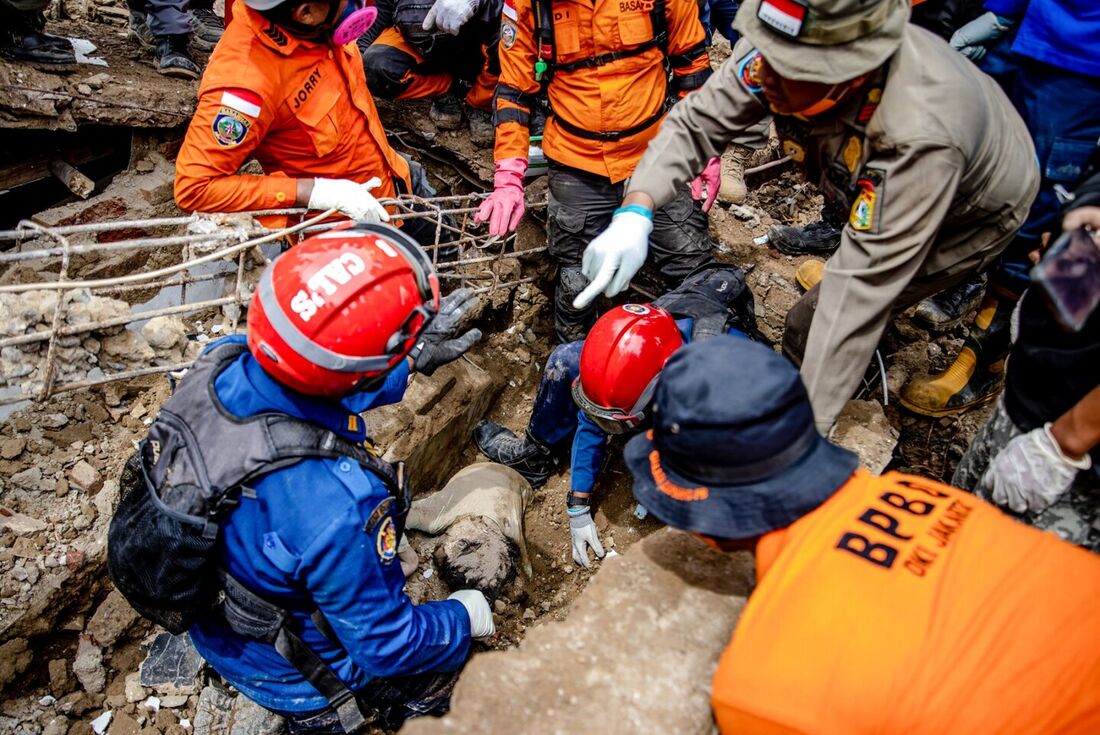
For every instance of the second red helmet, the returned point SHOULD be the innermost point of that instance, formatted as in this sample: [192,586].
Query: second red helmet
[623,355]
[341,308]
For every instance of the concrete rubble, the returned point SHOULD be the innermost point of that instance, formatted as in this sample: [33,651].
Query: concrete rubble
[653,620]
[863,428]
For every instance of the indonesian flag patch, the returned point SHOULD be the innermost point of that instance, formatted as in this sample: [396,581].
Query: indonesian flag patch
[510,10]
[243,101]
[785,16]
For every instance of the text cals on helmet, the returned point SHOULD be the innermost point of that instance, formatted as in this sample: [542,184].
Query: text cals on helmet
[326,282]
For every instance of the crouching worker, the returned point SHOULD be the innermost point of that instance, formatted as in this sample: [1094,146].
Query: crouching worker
[610,376]
[882,604]
[258,516]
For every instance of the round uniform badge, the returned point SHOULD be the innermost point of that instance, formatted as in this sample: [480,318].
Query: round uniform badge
[507,34]
[230,127]
[748,69]
[636,309]
[386,541]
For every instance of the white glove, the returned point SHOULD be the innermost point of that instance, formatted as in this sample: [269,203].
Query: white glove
[614,256]
[975,37]
[407,556]
[477,607]
[350,198]
[582,530]
[449,15]
[1031,472]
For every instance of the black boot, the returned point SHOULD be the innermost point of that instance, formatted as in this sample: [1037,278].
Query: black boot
[22,39]
[206,28]
[530,458]
[819,238]
[446,112]
[948,308]
[173,56]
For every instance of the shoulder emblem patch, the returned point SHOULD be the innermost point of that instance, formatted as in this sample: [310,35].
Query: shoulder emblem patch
[230,127]
[748,71]
[853,151]
[507,34]
[864,217]
[386,541]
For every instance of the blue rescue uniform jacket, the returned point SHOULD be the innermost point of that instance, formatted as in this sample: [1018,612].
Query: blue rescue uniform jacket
[305,541]
[1063,33]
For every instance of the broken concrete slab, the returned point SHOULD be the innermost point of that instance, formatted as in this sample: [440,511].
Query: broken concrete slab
[113,618]
[863,428]
[436,416]
[88,665]
[19,523]
[249,718]
[653,620]
[172,666]
[212,717]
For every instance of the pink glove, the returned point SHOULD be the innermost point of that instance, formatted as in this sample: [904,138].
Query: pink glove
[706,184]
[504,207]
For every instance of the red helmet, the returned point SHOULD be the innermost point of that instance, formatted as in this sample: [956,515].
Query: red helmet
[342,307]
[622,357]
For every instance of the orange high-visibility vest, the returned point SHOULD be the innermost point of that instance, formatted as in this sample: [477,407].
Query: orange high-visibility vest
[903,605]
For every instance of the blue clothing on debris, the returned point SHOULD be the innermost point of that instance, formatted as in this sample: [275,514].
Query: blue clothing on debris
[307,541]
[555,416]
[1062,33]
[718,15]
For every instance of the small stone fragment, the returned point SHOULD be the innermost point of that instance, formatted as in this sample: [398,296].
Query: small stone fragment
[133,689]
[99,724]
[88,665]
[61,681]
[12,448]
[86,477]
[112,618]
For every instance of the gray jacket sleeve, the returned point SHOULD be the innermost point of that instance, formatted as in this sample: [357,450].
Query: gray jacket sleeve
[699,128]
[879,255]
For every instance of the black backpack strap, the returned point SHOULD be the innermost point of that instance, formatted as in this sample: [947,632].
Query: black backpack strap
[252,616]
[659,20]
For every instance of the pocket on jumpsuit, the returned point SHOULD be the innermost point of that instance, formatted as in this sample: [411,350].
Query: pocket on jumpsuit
[567,239]
[635,28]
[318,121]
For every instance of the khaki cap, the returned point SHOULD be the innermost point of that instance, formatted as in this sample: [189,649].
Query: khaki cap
[827,41]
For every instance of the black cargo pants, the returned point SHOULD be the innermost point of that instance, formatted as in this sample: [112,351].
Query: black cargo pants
[581,205]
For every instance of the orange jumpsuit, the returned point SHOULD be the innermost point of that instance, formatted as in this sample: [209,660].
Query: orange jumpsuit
[301,109]
[619,82]
[903,605]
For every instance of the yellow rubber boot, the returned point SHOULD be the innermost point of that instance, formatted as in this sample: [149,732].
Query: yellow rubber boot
[809,273]
[976,375]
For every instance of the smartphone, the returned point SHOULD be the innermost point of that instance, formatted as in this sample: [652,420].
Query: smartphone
[1069,277]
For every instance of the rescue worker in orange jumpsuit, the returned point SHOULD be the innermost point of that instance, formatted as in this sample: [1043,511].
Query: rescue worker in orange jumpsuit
[602,65]
[431,50]
[286,85]
[883,604]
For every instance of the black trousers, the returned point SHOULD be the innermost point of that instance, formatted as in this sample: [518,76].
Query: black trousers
[581,205]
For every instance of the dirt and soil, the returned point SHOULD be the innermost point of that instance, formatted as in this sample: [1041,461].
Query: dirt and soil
[61,629]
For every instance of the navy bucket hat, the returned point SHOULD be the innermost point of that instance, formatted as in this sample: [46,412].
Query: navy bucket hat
[733,452]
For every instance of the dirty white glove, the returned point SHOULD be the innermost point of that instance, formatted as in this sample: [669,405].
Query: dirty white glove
[449,15]
[350,198]
[407,556]
[1031,472]
[477,607]
[582,530]
[615,255]
[974,38]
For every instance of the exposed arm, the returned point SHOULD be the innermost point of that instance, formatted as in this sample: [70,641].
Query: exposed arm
[698,129]
[1077,431]
[873,265]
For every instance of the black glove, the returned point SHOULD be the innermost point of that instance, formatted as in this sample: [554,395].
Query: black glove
[438,345]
